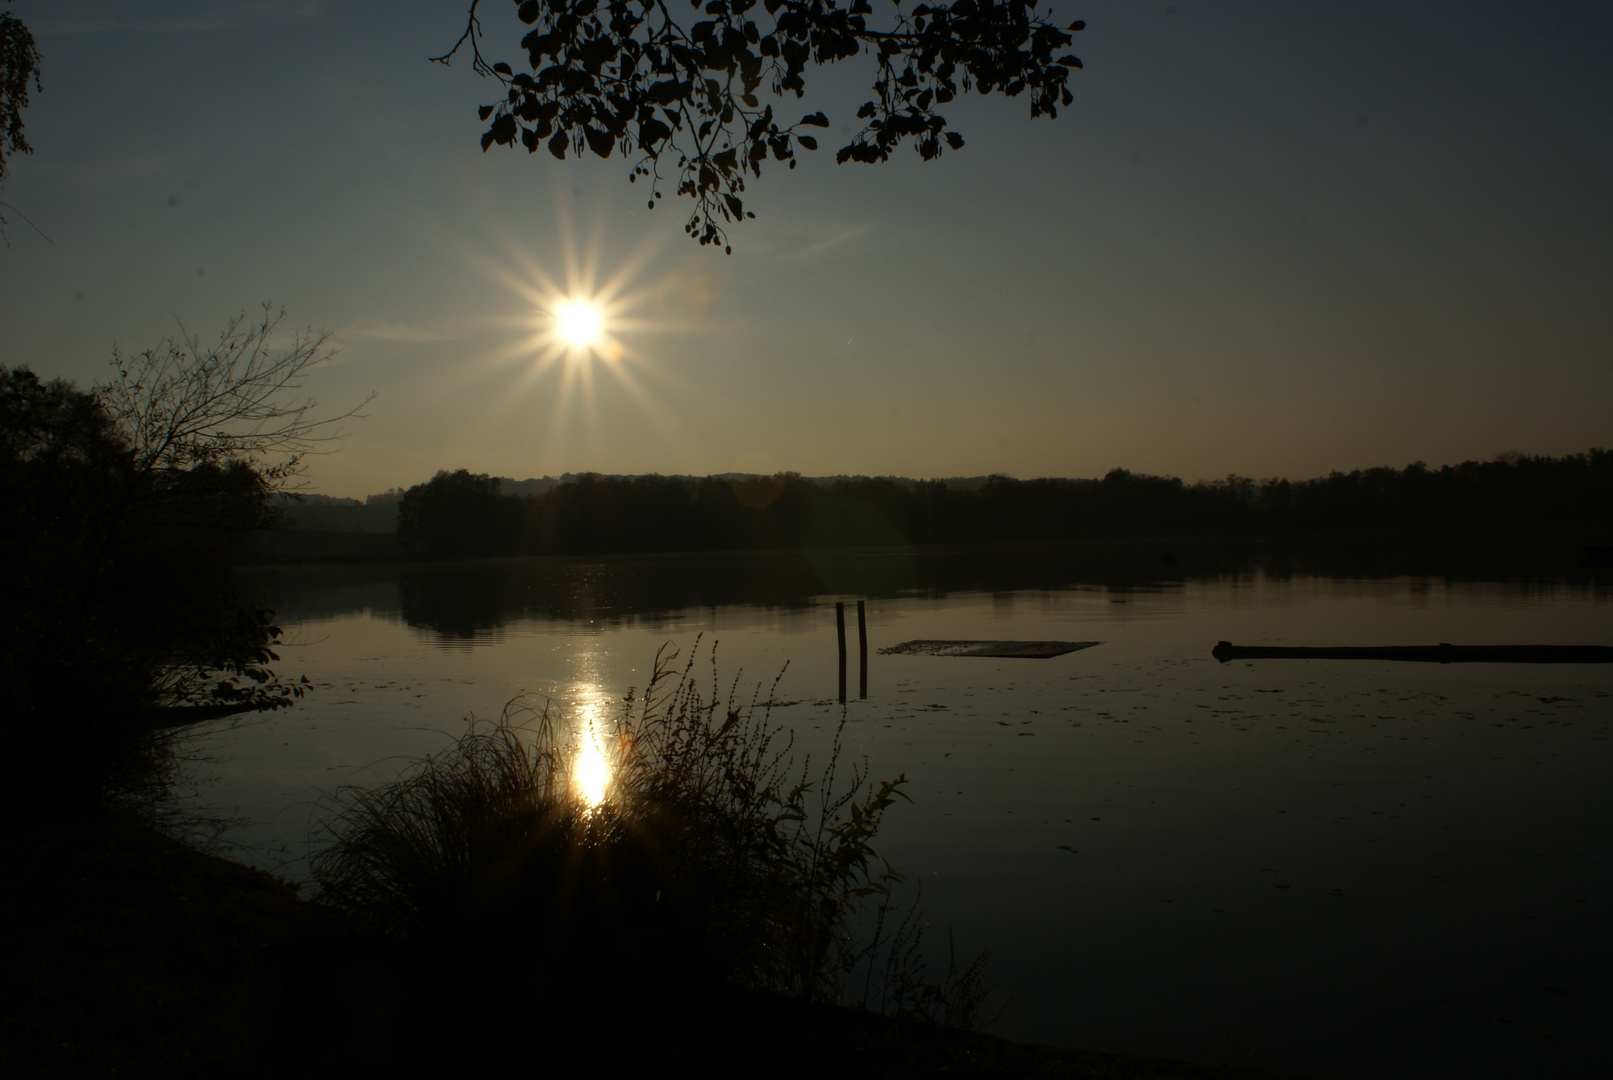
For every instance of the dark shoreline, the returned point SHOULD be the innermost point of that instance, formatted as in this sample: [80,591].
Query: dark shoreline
[148,957]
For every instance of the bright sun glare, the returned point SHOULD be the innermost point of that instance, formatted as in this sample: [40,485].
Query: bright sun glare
[591,773]
[579,327]
[578,323]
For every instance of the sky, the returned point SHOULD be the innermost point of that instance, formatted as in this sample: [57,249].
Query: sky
[1267,239]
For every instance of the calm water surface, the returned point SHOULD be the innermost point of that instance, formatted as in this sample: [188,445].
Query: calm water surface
[1332,868]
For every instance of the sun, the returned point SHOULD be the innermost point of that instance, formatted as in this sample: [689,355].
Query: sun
[579,323]
[585,328]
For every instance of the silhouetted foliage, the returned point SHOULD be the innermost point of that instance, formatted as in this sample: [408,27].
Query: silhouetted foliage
[699,851]
[323,513]
[19,66]
[458,513]
[120,504]
[627,76]
[593,515]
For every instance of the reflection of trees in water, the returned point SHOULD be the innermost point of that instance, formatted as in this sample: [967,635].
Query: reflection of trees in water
[466,599]
[462,599]
[296,592]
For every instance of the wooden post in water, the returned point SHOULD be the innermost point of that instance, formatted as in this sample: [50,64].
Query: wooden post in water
[840,625]
[862,652]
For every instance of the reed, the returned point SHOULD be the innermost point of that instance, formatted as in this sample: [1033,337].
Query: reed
[711,853]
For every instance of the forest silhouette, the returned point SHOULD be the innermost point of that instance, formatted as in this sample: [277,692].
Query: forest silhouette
[464,514]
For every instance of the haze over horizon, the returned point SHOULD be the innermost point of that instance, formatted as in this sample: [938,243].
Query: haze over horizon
[1264,240]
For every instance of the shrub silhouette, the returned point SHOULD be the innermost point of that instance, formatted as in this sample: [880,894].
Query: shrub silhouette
[711,858]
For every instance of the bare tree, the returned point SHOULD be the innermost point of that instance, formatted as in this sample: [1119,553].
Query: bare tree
[198,414]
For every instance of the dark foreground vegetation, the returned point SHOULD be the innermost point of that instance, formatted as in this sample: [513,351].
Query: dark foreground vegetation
[122,504]
[705,907]
[145,958]
[679,843]
[458,514]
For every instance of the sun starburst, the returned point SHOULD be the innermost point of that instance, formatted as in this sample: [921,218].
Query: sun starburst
[579,323]
[587,334]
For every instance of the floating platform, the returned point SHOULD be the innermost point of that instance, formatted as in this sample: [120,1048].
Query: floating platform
[1442,653]
[1018,650]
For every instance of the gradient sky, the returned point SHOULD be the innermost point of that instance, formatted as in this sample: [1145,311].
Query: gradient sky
[1269,238]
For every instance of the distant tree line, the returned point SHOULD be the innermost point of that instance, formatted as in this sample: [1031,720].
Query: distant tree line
[322,513]
[464,514]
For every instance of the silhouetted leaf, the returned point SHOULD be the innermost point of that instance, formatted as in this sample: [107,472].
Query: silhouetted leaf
[601,70]
[600,142]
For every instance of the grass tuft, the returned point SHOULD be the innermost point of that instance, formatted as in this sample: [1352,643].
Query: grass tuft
[710,855]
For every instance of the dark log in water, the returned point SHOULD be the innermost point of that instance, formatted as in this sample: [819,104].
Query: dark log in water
[1017,650]
[172,716]
[1443,653]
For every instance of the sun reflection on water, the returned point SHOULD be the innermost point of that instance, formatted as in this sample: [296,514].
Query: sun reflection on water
[590,772]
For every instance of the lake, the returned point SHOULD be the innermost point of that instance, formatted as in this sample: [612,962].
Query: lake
[1333,868]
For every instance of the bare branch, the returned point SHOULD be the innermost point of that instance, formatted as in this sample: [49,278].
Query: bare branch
[187,403]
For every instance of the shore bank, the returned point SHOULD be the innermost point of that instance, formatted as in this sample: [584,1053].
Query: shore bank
[140,956]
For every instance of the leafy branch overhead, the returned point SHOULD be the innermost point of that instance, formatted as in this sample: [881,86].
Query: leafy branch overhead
[625,76]
[19,66]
